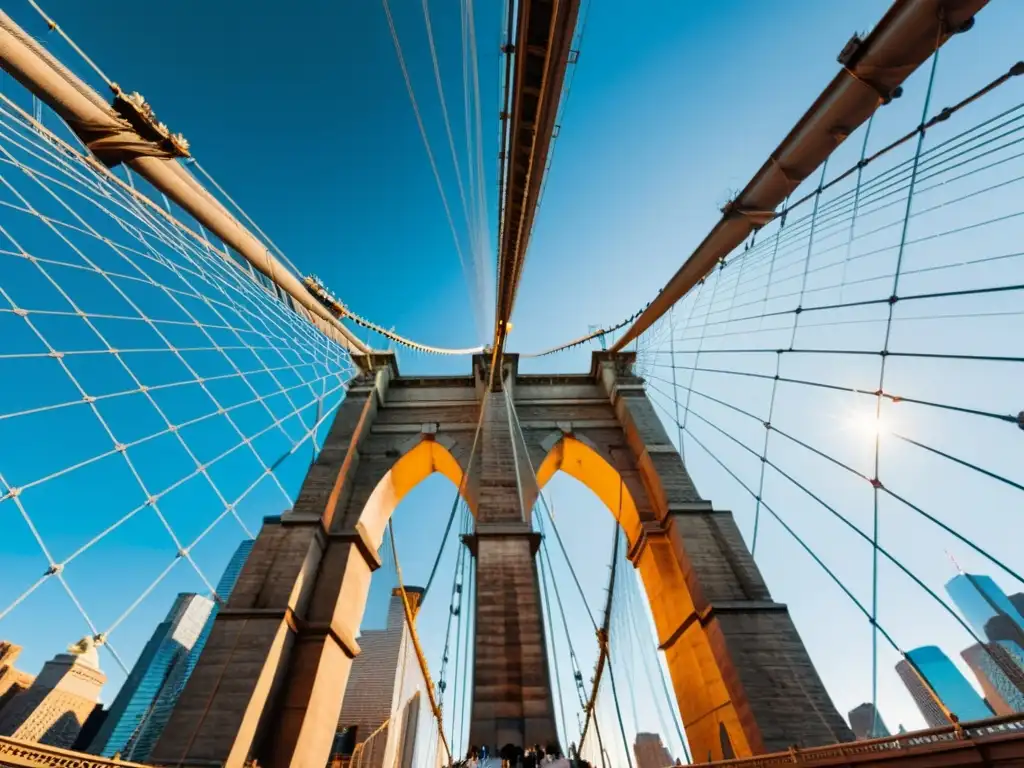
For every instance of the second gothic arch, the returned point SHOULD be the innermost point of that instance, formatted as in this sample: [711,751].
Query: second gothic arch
[578,458]
[424,457]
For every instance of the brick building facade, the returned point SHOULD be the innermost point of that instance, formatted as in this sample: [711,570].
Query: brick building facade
[385,701]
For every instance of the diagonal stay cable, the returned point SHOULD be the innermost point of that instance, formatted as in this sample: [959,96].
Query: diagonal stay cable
[518,434]
[895,561]
[875,482]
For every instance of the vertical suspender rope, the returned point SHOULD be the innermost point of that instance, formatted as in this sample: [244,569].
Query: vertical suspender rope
[778,355]
[856,203]
[675,386]
[605,639]
[554,653]
[876,482]
[416,645]
[468,669]
[460,566]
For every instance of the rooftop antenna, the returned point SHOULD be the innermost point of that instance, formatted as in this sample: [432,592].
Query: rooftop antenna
[953,560]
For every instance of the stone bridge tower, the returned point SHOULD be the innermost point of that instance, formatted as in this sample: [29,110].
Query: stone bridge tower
[271,680]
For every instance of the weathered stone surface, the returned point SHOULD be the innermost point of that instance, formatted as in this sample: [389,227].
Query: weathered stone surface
[271,681]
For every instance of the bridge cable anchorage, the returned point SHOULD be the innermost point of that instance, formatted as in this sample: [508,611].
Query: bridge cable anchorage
[886,184]
[86,113]
[474,298]
[414,636]
[140,115]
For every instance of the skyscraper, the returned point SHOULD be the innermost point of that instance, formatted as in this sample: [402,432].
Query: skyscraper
[650,752]
[999,668]
[866,723]
[161,665]
[980,599]
[1017,601]
[947,683]
[145,738]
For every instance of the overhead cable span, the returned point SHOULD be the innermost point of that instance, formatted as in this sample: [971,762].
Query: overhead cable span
[873,69]
[588,337]
[339,310]
[128,132]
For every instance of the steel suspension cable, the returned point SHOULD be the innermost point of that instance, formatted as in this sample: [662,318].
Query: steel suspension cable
[858,168]
[470,282]
[846,522]
[554,650]
[847,468]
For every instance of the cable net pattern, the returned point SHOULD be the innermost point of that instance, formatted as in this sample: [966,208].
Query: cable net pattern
[157,398]
[848,382]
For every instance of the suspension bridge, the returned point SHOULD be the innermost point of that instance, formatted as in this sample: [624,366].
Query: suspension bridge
[833,373]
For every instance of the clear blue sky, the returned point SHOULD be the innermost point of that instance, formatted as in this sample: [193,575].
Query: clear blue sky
[300,112]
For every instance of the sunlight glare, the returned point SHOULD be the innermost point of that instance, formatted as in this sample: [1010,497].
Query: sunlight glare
[866,423]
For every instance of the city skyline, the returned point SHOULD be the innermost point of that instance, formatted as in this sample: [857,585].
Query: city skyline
[997,662]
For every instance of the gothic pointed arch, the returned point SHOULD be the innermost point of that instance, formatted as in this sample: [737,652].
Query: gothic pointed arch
[580,458]
[418,458]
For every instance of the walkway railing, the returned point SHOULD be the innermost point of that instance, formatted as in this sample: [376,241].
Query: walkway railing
[995,728]
[25,754]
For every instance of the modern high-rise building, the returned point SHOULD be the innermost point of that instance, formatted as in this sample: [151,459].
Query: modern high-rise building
[999,668]
[145,738]
[161,665]
[58,702]
[866,723]
[942,679]
[650,752]
[386,705]
[1017,601]
[980,599]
